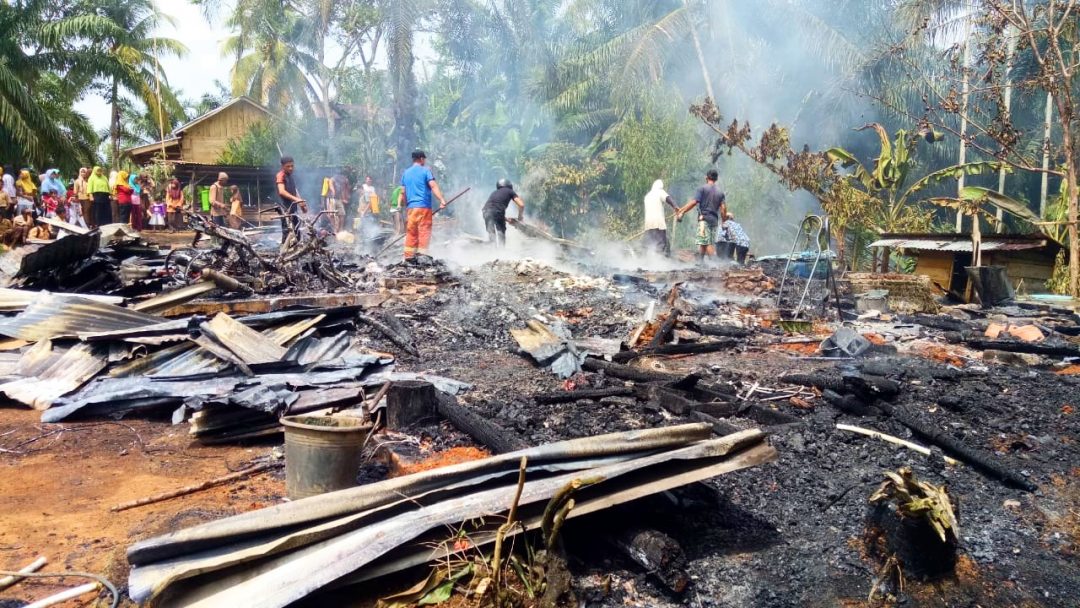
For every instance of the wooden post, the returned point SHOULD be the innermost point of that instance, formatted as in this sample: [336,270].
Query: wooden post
[409,402]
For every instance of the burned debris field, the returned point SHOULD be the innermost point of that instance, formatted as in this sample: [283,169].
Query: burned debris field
[685,441]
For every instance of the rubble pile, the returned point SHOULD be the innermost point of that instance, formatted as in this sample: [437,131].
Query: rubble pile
[574,368]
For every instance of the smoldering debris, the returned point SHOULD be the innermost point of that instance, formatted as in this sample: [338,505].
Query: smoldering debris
[530,352]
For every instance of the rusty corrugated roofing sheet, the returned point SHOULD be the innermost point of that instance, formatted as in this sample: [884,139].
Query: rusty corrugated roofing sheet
[55,316]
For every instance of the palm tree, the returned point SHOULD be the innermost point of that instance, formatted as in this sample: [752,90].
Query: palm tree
[37,122]
[271,52]
[125,54]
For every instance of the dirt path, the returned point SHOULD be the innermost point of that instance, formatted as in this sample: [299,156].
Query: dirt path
[58,489]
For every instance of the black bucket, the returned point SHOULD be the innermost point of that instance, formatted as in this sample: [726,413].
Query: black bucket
[991,285]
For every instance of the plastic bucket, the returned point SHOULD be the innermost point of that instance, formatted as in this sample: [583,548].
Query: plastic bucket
[322,453]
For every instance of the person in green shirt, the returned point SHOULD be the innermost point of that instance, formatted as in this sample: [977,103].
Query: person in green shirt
[395,209]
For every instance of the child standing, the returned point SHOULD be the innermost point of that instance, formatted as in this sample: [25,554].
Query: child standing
[236,209]
[75,211]
[157,208]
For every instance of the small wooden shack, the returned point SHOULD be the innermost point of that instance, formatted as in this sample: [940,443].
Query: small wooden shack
[1028,258]
[202,140]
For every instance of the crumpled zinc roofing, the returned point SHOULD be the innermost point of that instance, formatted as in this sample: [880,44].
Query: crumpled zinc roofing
[66,316]
[963,246]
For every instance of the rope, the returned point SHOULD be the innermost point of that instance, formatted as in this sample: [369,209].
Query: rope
[104,582]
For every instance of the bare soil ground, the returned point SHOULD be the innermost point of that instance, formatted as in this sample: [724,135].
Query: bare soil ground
[58,489]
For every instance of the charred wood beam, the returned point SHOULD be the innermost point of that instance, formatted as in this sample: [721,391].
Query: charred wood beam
[976,457]
[1032,348]
[939,322]
[409,402]
[818,381]
[626,372]
[485,432]
[400,341]
[664,332]
[720,331]
[719,427]
[569,396]
[693,348]
[658,554]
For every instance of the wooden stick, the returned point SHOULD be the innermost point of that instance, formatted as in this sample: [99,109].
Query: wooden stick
[64,596]
[893,440]
[36,565]
[206,485]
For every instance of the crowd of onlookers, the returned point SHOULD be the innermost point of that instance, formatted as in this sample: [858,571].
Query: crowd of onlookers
[88,200]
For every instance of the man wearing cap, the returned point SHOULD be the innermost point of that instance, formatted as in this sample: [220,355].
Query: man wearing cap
[418,184]
[218,208]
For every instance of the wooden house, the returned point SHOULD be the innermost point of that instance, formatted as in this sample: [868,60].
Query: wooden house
[1028,258]
[202,140]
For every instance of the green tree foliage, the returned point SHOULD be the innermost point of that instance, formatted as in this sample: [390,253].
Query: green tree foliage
[657,144]
[568,187]
[257,148]
[37,122]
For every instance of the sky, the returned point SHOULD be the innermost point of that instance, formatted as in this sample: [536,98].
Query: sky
[191,76]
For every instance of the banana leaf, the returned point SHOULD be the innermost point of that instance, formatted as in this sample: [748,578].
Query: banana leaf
[1005,203]
[953,172]
[847,160]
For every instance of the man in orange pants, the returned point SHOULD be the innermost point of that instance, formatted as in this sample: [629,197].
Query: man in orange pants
[417,186]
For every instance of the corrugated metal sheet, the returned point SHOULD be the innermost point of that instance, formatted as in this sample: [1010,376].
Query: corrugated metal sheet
[55,316]
[958,246]
[15,300]
[57,254]
[62,375]
[248,345]
[169,299]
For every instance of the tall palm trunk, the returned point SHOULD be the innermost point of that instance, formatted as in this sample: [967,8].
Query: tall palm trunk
[114,126]
[403,81]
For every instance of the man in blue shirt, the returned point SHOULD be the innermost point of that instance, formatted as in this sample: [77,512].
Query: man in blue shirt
[417,186]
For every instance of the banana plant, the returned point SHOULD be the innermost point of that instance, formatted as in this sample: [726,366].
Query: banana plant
[896,206]
[974,202]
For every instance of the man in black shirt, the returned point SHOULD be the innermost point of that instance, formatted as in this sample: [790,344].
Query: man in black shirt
[712,205]
[495,211]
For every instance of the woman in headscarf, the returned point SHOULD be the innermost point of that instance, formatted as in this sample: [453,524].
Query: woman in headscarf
[136,216]
[655,224]
[98,186]
[174,205]
[25,192]
[52,184]
[123,196]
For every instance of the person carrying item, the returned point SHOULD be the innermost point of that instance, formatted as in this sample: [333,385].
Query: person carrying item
[710,201]
[218,207]
[494,211]
[739,243]
[290,199]
[655,237]
[418,185]
[98,187]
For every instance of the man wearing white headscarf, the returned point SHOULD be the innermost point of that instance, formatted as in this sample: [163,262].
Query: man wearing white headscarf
[655,236]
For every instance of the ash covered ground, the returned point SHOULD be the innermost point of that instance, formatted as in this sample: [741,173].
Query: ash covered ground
[793,532]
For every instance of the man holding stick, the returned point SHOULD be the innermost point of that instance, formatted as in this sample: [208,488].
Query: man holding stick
[418,185]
